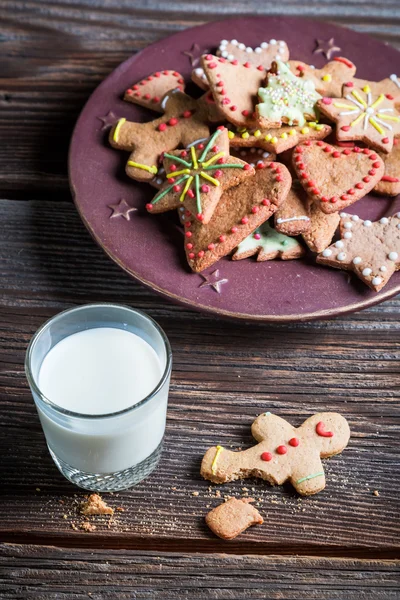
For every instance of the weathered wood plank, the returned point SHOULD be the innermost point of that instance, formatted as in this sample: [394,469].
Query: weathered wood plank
[51,573]
[55,53]
[224,375]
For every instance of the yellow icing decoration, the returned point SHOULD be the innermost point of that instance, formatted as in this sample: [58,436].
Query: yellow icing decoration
[214,462]
[209,178]
[268,137]
[194,157]
[176,173]
[378,101]
[366,89]
[152,169]
[241,129]
[231,135]
[312,125]
[358,97]
[375,124]
[388,117]
[257,133]
[327,77]
[274,140]
[213,159]
[245,135]
[357,120]
[319,127]
[305,130]
[284,135]
[292,132]
[185,189]
[340,105]
[117,128]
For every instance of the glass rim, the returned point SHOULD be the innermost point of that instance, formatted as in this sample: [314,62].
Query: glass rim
[35,387]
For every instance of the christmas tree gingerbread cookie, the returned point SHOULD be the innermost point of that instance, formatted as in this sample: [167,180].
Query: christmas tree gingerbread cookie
[283,452]
[268,244]
[198,176]
[362,115]
[286,98]
[370,250]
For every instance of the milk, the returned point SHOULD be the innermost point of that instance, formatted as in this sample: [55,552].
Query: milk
[95,372]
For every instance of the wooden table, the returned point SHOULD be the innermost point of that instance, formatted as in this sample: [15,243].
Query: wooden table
[341,544]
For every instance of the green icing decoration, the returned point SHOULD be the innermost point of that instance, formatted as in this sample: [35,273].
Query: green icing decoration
[287,96]
[270,240]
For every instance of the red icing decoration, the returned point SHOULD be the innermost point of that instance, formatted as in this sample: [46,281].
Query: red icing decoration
[294,442]
[190,193]
[267,456]
[385,140]
[336,154]
[200,216]
[217,173]
[246,167]
[177,188]
[346,62]
[391,179]
[149,206]
[255,209]
[210,246]
[234,229]
[162,127]
[205,189]
[281,449]
[327,100]
[320,429]
[266,202]
[188,234]
[221,238]
[244,220]
[189,246]
[183,154]
[187,114]
[345,128]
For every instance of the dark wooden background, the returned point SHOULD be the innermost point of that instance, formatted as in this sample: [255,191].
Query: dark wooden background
[341,544]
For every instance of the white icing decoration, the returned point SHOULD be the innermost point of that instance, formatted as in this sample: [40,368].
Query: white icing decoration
[241,46]
[398,226]
[395,79]
[265,154]
[224,54]
[234,42]
[397,215]
[355,218]
[199,141]
[273,42]
[300,218]
[223,43]
[357,260]
[367,271]
[348,225]
[376,280]
[264,45]
[367,223]
[384,220]
[339,244]
[164,101]
[159,181]
[348,235]
[383,269]
[281,43]
[249,50]
[231,57]
[281,50]
[327,252]
[341,256]
[258,50]
[393,256]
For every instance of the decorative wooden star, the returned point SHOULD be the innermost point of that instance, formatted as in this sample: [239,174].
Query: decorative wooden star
[108,120]
[213,280]
[199,175]
[370,250]
[327,48]
[362,115]
[194,54]
[122,209]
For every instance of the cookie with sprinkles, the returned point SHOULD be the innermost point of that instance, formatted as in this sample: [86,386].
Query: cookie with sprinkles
[389,185]
[322,227]
[286,98]
[150,91]
[328,80]
[234,86]
[267,244]
[197,177]
[279,139]
[292,218]
[335,177]
[185,120]
[283,453]
[362,115]
[370,250]
[239,212]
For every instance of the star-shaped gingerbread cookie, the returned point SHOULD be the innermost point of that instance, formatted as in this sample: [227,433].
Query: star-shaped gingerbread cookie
[199,175]
[370,250]
[362,115]
[389,85]
[328,80]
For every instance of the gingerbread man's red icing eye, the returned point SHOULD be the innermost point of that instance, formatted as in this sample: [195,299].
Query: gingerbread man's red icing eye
[320,429]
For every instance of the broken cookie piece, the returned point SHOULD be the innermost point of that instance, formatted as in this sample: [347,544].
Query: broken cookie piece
[233,517]
[95,505]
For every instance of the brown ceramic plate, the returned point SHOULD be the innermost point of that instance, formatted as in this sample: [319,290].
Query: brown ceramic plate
[150,248]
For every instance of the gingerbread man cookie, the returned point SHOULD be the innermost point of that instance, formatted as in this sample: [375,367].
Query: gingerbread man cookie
[362,115]
[185,120]
[329,80]
[370,250]
[283,452]
[336,177]
[199,175]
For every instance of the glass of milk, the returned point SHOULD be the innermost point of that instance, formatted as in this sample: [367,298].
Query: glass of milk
[99,375]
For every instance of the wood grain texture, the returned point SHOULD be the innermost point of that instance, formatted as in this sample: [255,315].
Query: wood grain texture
[224,375]
[55,53]
[47,573]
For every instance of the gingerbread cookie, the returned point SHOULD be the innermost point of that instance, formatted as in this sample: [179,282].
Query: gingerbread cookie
[239,212]
[233,517]
[389,185]
[253,156]
[286,98]
[389,85]
[336,177]
[364,116]
[199,175]
[185,120]
[370,250]
[292,218]
[149,92]
[322,227]
[329,80]
[283,452]
[267,244]
[234,86]
[279,139]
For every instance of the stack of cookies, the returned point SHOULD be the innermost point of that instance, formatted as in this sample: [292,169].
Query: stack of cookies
[247,166]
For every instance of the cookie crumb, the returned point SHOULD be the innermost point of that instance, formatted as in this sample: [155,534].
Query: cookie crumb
[38,489]
[376,493]
[195,493]
[88,527]
[95,505]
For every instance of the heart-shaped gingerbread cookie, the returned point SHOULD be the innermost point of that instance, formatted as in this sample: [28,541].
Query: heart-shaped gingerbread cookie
[336,177]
